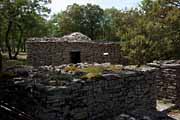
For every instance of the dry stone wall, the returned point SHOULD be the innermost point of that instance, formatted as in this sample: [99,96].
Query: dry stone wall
[98,99]
[56,53]
[168,80]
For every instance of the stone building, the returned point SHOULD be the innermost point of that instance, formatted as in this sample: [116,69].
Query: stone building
[73,48]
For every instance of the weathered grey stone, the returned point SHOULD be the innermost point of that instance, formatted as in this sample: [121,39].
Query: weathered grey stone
[57,51]
[98,99]
[168,80]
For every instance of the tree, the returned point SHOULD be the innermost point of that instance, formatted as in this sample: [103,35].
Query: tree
[93,17]
[16,14]
[86,19]
[0,61]
[146,5]
[53,26]
[111,26]
[138,50]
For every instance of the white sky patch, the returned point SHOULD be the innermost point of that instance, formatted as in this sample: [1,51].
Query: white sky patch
[59,5]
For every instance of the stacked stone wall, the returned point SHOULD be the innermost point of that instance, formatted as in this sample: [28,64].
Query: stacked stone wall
[56,53]
[168,81]
[98,99]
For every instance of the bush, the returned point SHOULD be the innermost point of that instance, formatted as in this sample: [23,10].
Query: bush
[138,50]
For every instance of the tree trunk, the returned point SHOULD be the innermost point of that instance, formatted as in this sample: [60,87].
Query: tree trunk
[0,62]
[19,42]
[7,39]
[24,45]
[92,33]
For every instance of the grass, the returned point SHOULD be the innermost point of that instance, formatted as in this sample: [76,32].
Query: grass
[92,76]
[21,60]
[72,68]
[93,69]
[114,68]
[4,76]
[95,72]
[101,69]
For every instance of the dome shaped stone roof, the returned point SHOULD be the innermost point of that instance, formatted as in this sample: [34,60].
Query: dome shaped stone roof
[76,37]
[73,37]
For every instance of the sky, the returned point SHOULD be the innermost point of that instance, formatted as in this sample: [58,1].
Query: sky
[59,5]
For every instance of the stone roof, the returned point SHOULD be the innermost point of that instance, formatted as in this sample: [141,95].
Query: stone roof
[76,37]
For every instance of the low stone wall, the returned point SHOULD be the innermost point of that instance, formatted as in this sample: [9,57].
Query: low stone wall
[168,80]
[98,99]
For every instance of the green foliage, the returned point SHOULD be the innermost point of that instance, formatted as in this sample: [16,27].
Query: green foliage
[93,69]
[11,63]
[18,62]
[146,5]
[79,18]
[21,19]
[138,49]
[92,73]
[154,32]
[114,68]
[95,72]
[145,34]
[53,26]
[71,68]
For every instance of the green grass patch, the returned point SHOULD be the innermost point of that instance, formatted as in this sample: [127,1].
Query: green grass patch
[72,68]
[5,76]
[114,68]
[92,73]
[11,63]
[93,69]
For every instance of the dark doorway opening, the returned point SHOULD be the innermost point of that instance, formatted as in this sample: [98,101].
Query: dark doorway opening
[75,57]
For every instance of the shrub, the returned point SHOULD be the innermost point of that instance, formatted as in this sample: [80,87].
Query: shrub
[138,50]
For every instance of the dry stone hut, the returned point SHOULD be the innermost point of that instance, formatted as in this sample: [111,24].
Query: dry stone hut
[73,48]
